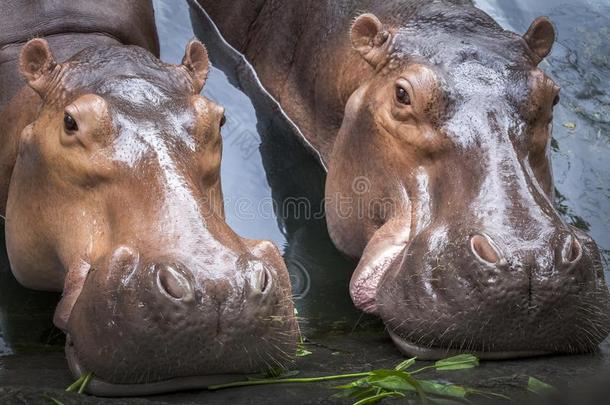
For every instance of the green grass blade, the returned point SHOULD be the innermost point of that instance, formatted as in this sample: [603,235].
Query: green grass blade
[286,380]
[302,351]
[86,381]
[76,384]
[405,364]
[459,362]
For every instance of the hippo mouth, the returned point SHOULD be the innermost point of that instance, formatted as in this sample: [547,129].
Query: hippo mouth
[99,387]
[463,303]
[411,349]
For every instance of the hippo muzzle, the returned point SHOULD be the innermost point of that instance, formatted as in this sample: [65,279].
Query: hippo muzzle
[489,265]
[469,292]
[144,326]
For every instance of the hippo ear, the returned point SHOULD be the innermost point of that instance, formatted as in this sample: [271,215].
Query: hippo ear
[36,62]
[369,38]
[540,37]
[197,63]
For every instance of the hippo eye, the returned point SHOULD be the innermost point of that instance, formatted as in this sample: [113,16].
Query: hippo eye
[223,120]
[70,123]
[402,96]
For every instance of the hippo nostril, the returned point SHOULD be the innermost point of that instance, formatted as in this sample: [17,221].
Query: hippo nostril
[171,282]
[572,250]
[262,280]
[265,280]
[483,249]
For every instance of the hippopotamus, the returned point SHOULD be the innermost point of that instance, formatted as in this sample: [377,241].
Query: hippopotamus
[434,125]
[110,188]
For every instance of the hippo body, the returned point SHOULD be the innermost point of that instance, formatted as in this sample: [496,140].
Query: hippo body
[111,191]
[69,27]
[434,124]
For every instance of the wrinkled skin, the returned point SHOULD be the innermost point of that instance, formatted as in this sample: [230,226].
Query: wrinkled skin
[114,198]
[435,126]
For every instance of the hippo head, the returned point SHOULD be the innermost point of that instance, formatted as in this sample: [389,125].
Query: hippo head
[444,151]
[116,199]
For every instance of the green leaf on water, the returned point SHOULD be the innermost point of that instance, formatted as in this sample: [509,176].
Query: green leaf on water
[433,387]
[376,398]
[569,125]
[405,364]
[395,380]
[359,383]
[381,381]
[391,383]
[539,387]
[459,362]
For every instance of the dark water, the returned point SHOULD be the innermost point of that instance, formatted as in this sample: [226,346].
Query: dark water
[264,161]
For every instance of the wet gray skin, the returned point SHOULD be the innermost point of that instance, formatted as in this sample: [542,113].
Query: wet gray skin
[438,123]
[115,200]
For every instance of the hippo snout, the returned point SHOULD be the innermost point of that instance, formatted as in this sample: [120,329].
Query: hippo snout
[496,295]
[180,316]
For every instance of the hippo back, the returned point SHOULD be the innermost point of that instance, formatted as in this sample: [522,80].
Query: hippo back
[70,26]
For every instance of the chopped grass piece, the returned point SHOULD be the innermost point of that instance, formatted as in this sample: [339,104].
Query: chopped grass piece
[86,381]
[76,384]
[539,387]
[302,351]
[459,362]
[81,383]
[405,364]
